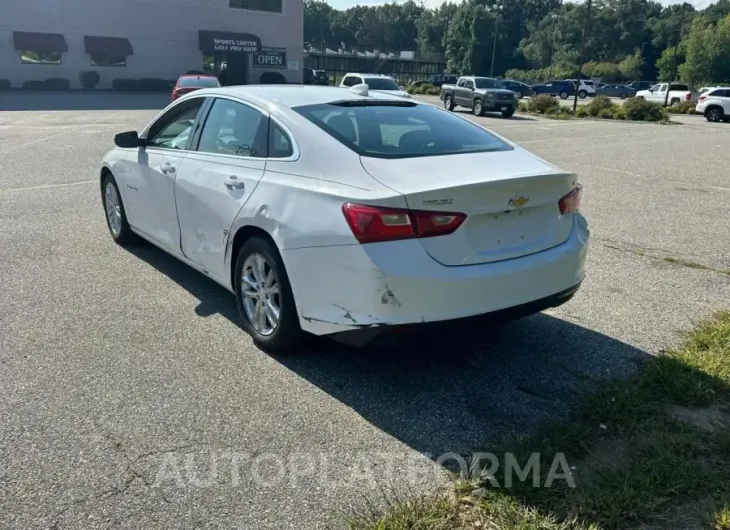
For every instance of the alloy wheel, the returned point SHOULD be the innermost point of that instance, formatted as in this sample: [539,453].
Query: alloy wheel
[113,209]
[261,298]
[714,114]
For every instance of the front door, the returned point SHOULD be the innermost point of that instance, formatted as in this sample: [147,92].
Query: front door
[218,177]
[237,69]
[151,180]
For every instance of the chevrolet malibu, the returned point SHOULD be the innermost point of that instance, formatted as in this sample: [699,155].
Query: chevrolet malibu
[330,210]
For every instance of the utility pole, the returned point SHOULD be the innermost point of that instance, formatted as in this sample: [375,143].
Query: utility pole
[497,10]
[674,55]
[417,54]
[582,53]
[321,42]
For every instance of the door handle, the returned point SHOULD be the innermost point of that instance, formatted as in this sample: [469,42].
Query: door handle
[232,183]
[168,168]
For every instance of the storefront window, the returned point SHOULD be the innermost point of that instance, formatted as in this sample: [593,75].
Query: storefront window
[273,6]
[98,59]
[29,57]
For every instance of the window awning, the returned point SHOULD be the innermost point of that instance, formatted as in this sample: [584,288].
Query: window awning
[216,42]
[39,42]
[109,46]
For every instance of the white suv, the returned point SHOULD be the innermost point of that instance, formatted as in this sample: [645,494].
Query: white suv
[375,82]
[715,104]
[586,87]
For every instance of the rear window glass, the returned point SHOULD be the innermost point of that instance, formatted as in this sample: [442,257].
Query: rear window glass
[486,82]
[375,83]
[201,82]
[400,130]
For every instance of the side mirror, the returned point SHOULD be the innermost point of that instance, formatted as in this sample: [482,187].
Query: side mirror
[128,140]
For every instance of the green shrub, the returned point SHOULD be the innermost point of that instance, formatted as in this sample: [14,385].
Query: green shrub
[155,85]
[543,104]
[125,85]
[686,107]
[5,84]
[582,112]
[611,113]
[638,109]
[522,106]
[427,89]
[598,105]
[89,79]
[57,83]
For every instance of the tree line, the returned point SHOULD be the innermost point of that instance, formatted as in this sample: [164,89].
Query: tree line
[538,39]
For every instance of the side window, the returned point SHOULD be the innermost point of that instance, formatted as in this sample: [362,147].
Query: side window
[280,145]
[233,128]
[461,82]
[173,129]
[469,83]
[348,81]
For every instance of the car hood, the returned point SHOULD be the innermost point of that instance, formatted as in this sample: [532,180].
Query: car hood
[495,91]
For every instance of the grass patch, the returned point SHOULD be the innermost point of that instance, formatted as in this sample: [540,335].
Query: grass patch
[693,265]
[638,448]
[686,107]
[425,89]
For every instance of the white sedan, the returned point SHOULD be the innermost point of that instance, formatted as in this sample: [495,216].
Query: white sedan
[328,210]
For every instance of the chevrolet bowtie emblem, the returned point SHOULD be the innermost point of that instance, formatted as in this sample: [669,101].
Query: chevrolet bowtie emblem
[519,202]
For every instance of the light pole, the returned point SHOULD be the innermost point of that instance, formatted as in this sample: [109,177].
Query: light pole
[674,55]
[582,54]
[498,10]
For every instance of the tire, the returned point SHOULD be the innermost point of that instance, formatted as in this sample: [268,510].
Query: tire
[448,103]
[477,107]
[563,95]
[582,94]
[674,101]
[508,113]
[714,114]
[283,335]
[114,213]
[622,95]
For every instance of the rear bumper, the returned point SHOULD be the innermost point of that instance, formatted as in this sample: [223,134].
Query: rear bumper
[353,287]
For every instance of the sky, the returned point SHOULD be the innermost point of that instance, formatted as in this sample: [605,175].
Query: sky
[344,4]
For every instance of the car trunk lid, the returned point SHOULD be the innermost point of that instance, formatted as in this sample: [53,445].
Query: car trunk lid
[510,199]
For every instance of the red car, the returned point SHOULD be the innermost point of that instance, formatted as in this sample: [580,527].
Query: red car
[189,83]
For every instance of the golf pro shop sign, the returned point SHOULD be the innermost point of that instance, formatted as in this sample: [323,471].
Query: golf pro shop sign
[270,58]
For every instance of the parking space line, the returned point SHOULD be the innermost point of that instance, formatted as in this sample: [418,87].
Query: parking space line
[38,141]
[49,186]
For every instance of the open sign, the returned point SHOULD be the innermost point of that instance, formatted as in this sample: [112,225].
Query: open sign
[270,58]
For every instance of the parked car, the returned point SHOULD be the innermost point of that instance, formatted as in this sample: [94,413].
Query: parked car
[641,85]
[615,91]
[518,87]
[704,89]
[480,94]
[381,83]
[188,83]
[316,77]
[502,231]
[678,92]
[563,89]
[436,80]
[585,87]
[715,104]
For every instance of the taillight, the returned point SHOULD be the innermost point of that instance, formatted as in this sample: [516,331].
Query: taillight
[571,202]
[370,224]
[175,94]
[687,96]
[702,98]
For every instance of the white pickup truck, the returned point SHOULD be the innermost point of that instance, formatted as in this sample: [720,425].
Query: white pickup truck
[678,92]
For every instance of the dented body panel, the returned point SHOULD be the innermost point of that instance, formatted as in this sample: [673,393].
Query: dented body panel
[349,287]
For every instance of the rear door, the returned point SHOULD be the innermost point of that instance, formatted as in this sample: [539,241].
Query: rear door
[219,176]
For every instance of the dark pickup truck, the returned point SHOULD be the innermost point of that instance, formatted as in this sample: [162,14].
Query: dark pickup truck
[480,94]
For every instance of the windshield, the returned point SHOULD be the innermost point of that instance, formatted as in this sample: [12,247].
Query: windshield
[400,130]
[381,83]
[487,82]
[198,82]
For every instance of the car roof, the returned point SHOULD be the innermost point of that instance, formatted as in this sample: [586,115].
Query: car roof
[196,76]
[292,95]
[368,75]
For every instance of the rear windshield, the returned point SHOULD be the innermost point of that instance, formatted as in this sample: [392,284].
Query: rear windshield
[400,130]
[202,82]
[376,83]
[486,82]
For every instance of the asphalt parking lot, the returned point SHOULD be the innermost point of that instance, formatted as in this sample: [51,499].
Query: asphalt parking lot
[130,397]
